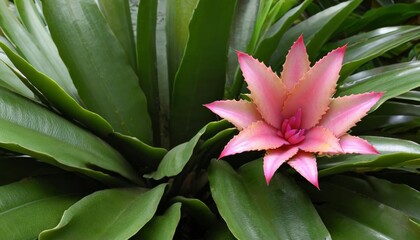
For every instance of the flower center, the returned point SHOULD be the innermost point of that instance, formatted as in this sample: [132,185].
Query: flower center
[290,129]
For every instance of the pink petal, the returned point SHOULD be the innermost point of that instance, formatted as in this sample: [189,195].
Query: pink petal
[352,144]
[314,91]
[258,136]
[320,140]
[240,113]
[267,90]
[275,158]
[305,165]
[296,64]
[346,111]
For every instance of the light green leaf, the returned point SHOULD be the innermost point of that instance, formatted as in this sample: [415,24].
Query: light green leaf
[393,152]
[30,128]
[162,227]
[105,80]
[108,214]
[10,81]
[349,215]
[201,76]
[29,206]
[117,14]
[34,44]
[253,210]
[367,49]
[176,159]
[393,80]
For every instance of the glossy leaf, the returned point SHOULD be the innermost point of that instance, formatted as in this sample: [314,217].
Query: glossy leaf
[106,82]
[347,214]
[29,206]
[108,214]
[147,62]
[176,159]
[316,30]
[10,81]
[246,203]
[34,44]
[162,226]
[397,196]
[201,76]
[393,80]
[32,129]
[393,152]
[117,15]
[367,49]
[198,210]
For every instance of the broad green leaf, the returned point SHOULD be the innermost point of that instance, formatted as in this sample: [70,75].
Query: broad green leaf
[106,82]
[316,30]
[247,204]
[411,95]
[201,76]
[34,44]
[31,129]
[365,50]
[29,206]
[176,159]
[382,16]
[117,14]
[393,80]
[178,17]
[162,227]
[349,215]
[397,196]
[393,152]
[108,214]
[219,231]
[15,168]
[10,81]
[146,62]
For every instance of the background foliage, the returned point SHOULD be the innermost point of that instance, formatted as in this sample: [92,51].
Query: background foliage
[104,136]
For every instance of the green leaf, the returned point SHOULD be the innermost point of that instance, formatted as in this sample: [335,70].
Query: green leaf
[162,227]
[34,43]
[393,152]
[201,75]
[367,49]
[349,215]
[108,214]
[29,206]
[316,30]
[198,210]
[29,128]
[393,80]
[176,159]
[10,81]
[398,196]
[253,210]
[106,82]
[147,62]
[117,14]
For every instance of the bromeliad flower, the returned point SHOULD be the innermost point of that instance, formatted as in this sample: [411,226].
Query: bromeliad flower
[295,117]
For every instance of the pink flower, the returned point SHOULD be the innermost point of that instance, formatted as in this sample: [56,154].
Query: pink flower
[294,117]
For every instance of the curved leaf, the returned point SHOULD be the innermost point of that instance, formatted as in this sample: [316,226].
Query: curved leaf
[393,152]
[32,205]
[253,210]
[201,75]
[349,215]
[106,82]
[365,50]
[198,210]
[176,159]
[162,227]
[393,80]
[108,214]
[32,129]
[10,81]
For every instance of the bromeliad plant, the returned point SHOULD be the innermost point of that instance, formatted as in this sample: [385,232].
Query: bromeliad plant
[104,134]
